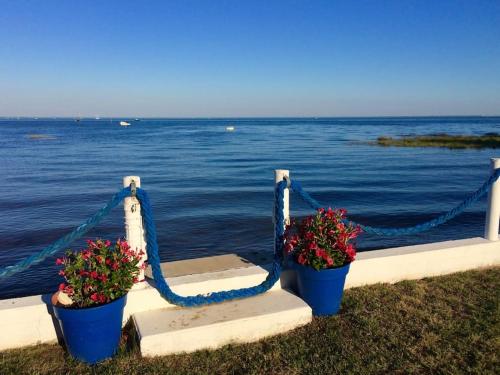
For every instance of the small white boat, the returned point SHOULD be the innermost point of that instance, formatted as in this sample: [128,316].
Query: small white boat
[230,128]
[124,123]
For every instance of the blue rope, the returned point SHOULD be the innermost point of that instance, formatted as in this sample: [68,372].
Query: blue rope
[215,297]
[153,256]
[66,240]
[274,274]
[296,187]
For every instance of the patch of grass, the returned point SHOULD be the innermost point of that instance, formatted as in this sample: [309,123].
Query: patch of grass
[488,140]
[443,325]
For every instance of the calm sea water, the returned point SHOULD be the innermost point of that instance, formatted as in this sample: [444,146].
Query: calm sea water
[212,190]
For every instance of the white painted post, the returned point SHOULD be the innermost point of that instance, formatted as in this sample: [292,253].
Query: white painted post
[493,210]
[133,222]
[278,177]
[288,277]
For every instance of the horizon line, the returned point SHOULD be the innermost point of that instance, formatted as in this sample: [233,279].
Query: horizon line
[228,117]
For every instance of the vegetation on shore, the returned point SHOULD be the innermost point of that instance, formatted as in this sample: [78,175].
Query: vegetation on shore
[488,140]
[446,325]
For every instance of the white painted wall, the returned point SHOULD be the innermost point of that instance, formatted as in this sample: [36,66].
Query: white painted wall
[28,320]
[417,262]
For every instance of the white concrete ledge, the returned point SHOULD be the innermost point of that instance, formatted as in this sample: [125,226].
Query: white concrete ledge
[28,320]
[419,261]
[169,331]
[148,298]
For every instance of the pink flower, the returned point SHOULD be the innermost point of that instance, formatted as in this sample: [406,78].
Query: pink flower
[350,252]
[312,246]
[319,252]
[88,273]
[91,244]
[124,247]
[86,254]
[301,259]
[322,240]
[83,273]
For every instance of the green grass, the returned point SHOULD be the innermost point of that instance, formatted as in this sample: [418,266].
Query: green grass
[488,140]
[441,325]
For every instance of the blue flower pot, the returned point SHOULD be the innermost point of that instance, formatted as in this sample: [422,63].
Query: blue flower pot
[92,334]
[322,290]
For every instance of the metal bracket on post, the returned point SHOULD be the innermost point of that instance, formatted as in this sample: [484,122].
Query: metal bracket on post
[133,189]
[288,181]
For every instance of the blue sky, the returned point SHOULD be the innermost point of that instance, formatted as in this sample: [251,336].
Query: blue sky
[249,58]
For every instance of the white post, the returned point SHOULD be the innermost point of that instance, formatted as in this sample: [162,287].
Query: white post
[493,210]
[133,222]
[278,177]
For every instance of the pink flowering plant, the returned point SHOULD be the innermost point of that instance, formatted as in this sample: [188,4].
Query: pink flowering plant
[98,274]
[322,240]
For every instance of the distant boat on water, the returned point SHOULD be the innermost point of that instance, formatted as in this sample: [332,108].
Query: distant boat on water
[230,128]
[124,123]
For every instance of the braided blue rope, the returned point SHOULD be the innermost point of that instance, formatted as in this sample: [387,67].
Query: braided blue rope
[274,274]
[296,187]
[215,297]
[153,256]
[64,241]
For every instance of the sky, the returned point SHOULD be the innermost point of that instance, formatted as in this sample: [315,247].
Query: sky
[249,58]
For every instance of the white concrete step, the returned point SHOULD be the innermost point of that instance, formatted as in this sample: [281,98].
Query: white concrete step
[177,330]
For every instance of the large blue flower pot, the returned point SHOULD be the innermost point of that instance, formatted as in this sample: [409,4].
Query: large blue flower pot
[322,290]
[92,334]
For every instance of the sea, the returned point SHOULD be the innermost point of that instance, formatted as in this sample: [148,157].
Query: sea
[212,189]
